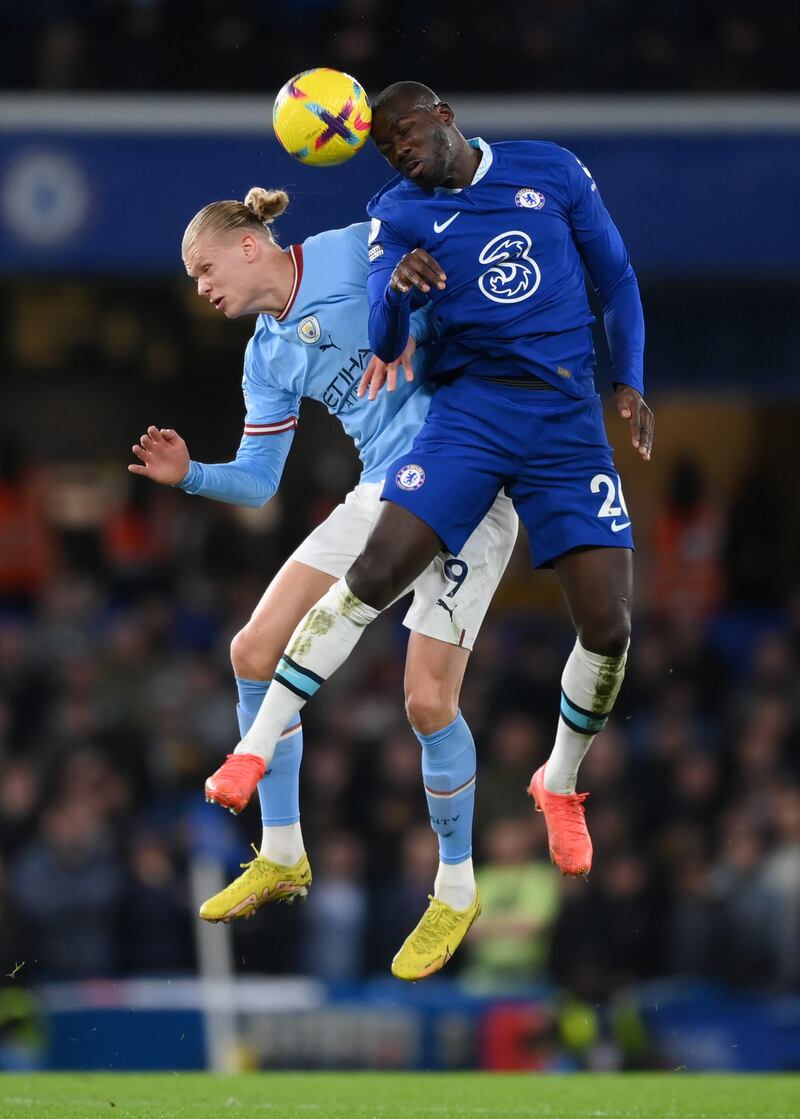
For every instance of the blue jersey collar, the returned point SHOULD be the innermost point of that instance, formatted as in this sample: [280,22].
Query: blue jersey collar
[483,166]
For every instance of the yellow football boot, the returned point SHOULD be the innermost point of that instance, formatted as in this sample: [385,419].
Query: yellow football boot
[435,939]
[261,883]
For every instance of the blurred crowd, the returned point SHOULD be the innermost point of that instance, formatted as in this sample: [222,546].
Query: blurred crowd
[116,700]
[559,46]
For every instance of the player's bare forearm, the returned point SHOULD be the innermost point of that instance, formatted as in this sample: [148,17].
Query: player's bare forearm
[630,405]
[417,269]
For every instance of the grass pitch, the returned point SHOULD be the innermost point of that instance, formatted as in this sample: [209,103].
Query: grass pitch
[282,1095]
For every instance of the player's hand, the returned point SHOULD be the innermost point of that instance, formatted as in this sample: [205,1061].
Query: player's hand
[163,456]
[417,269]
[378,373]
[631,406]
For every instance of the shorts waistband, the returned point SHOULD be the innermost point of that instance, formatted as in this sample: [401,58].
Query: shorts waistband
[531,382]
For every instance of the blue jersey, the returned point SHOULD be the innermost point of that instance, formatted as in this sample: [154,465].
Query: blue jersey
[513,245]
[318,347]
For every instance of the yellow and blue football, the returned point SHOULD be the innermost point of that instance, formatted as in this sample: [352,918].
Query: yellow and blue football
[322,117]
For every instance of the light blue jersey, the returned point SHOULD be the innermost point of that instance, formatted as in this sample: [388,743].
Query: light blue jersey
[318,347]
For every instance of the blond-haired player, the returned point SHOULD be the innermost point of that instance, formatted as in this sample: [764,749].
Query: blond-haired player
[311,340]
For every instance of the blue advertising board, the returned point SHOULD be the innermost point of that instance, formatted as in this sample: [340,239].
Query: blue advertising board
[112,199]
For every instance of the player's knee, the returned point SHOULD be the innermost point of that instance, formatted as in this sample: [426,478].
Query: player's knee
[372,578]
[430,707]
[607,635]
[250,657]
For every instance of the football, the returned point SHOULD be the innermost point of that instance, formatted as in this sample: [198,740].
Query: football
[322,117]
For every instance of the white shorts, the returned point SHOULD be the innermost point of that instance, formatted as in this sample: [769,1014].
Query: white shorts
[453,593]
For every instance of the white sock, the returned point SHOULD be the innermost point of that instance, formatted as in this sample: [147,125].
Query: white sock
[589,686]
[322,641]
[282,844]
[455,884]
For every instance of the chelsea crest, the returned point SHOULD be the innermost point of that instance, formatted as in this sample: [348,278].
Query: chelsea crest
[529,199]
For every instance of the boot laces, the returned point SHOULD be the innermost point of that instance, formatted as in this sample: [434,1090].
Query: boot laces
[240,764]
[438,920]
[573,815]
[258,855]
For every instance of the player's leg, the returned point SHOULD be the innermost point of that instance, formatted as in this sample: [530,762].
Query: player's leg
[598,586]
[255,651]
[433,678]
[571,503]
[280,870]
[434,674]
[436,494]
[450,601]
[399,547]
[317,563]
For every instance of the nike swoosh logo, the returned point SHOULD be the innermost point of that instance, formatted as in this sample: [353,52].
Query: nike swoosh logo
[440,227]
[618,528]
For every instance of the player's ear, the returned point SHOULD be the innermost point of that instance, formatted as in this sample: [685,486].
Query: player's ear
[249,246]
[444,113]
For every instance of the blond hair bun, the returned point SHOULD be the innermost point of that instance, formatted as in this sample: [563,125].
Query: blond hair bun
[266,204]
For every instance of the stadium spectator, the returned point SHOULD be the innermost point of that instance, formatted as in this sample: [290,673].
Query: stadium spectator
[685,568]
[26,540]
[333,931]
[664,751]
[520,895]
[67,884]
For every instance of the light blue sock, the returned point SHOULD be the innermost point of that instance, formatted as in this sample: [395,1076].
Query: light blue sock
[448,771]
[279,788]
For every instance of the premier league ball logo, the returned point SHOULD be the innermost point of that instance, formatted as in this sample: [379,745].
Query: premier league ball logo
[410,477]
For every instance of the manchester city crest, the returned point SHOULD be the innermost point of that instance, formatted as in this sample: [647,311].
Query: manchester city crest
[309,330]
[410,477]
[529,199]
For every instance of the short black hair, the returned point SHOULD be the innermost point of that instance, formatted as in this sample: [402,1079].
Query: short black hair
[414,94]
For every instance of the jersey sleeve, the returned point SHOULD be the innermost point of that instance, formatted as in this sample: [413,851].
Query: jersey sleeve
[252,478]
[588,216]
[611,272]
[422,326]
[614,280]
[389,310]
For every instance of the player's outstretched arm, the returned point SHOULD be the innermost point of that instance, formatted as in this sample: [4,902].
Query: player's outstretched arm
[631,407]
[163,456]
[378,373]
[251,479]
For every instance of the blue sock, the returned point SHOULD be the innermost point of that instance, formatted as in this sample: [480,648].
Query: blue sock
[279,789]
[448,771]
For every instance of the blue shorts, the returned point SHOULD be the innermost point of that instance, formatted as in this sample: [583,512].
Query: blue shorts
[548,451]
